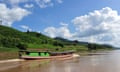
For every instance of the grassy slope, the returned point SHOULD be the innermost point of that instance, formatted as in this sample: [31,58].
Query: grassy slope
[32,39]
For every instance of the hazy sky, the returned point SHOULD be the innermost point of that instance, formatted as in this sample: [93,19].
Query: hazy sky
[83,20]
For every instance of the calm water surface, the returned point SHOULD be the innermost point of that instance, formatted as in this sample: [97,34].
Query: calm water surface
[109,62]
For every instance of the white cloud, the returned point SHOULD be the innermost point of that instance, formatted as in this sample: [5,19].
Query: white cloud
[60,1]
[12,11]
[100,26]
[50,31]
[97,22]
[58,32]
[40,3]
[10,15]
[44,3]
[14,3]
[103,26]
[28,5]
[26,27]
[63,24]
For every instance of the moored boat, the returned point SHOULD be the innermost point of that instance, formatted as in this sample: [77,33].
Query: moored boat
[30,55]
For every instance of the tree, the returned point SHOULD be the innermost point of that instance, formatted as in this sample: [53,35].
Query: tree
[22,46]
[76,42]
[38,34]
[92,47]
[28,31]
[89,47]
[61,45]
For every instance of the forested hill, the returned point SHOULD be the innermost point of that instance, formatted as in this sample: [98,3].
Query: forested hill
[12,38]
[85,44]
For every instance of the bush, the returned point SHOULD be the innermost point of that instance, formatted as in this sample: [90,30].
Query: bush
[22,46]
[9,42]
[56,43]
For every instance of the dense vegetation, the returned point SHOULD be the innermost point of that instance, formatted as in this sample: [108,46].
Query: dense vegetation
[12,38]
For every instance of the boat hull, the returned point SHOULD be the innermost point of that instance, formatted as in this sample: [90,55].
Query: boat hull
[50,57]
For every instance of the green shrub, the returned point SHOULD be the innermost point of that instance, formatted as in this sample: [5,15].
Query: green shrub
[22,46]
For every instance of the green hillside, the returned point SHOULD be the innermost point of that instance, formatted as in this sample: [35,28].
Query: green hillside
[14,39]
[84,46]
[11,38]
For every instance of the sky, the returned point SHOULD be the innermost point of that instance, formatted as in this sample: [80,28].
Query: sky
[96,21]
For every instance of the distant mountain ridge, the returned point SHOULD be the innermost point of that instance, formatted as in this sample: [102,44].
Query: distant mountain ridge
[65,41]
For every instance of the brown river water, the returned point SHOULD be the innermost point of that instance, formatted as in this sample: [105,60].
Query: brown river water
[103,62]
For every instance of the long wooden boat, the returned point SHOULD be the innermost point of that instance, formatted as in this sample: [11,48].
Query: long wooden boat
[29,55]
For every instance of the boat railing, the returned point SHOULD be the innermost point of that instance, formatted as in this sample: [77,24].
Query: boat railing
[43,53]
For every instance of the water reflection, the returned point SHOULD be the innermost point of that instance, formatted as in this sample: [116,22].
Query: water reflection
[94,63]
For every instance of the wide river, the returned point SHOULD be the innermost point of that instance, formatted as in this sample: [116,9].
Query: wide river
[103,62]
